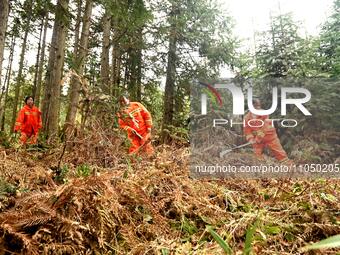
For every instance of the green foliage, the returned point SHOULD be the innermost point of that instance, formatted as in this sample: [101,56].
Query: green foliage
[187,227]
[204,26]
[324,103]
[224,245]
[249,238]
[83,170]
[330,43]
[281,51]
[177,133]
[6,188]
[247,244]
[165,251]
[205,42]
[331,242]
[203,39]
[278,53]
[272,230]
[153,100]
[61,176]
[5,140]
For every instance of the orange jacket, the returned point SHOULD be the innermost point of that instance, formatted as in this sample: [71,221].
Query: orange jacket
[29,120]
[135,116]
[256,128]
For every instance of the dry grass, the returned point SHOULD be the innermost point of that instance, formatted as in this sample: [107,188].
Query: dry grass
[152,206]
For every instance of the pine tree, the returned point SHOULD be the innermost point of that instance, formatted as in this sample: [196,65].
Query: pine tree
[20,78]
[277,52]
[330,42]
[80,58]
[4,11]
[51,102]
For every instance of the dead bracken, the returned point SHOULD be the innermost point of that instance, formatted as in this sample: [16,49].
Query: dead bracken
[115,205]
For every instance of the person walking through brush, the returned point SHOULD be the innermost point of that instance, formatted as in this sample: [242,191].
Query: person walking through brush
[260,131]
[135,119]
[28,122]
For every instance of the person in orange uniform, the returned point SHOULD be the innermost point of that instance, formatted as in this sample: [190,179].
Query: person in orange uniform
[262,133]
[28,122]
[135,119]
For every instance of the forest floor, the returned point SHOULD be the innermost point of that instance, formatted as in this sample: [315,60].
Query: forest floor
[94,200]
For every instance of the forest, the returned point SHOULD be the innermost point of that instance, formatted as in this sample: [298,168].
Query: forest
[87,178]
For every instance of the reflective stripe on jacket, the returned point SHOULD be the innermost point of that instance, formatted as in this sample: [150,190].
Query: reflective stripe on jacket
[135,116]
[256,128]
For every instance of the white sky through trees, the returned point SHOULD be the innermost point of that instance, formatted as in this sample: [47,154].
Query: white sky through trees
[252,16]
[249,16]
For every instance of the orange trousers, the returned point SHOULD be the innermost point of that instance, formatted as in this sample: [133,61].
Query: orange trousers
[273,143]
[24,137]
[136,143]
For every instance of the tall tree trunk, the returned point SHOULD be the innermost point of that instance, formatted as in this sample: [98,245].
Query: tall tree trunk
[134,73]
[36,71]
[4,10]
[114,63]
[170,79]
[135,66]
[55,70]
[49,76]
[77,30]
[6,84]
[126,80]
[41,63]
[9,64]
[139,76]
[79,66]
[104,62]
[75,52]
[118,71]
[20,77]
